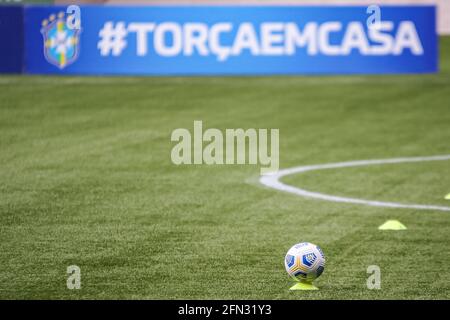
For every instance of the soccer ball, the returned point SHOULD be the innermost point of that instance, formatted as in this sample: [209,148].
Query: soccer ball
[305,262]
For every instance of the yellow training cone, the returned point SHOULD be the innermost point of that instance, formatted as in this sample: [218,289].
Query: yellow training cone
[304,286]
[392,225]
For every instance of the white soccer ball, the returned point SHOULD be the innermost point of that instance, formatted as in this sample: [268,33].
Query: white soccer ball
[305,262]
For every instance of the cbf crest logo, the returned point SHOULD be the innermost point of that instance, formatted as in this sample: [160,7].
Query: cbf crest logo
[61,43]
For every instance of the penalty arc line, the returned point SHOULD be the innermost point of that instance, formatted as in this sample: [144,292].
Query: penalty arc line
[272,180]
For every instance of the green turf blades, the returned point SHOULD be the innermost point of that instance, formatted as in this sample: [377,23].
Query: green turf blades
[304,286]
[89,182]
[392,225]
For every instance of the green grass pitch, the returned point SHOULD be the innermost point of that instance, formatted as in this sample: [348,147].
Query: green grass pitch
[86,179]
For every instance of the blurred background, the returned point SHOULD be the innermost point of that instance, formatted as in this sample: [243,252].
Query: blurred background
[443,5]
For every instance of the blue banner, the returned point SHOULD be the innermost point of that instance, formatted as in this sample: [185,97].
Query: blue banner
[228,40]
[11,37]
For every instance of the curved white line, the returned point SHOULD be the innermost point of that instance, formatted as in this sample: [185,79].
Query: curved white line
[273,181]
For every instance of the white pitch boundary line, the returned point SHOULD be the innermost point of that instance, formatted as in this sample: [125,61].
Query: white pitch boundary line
[273,181]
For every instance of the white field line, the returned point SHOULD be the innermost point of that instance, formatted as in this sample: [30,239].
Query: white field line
[273,181]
